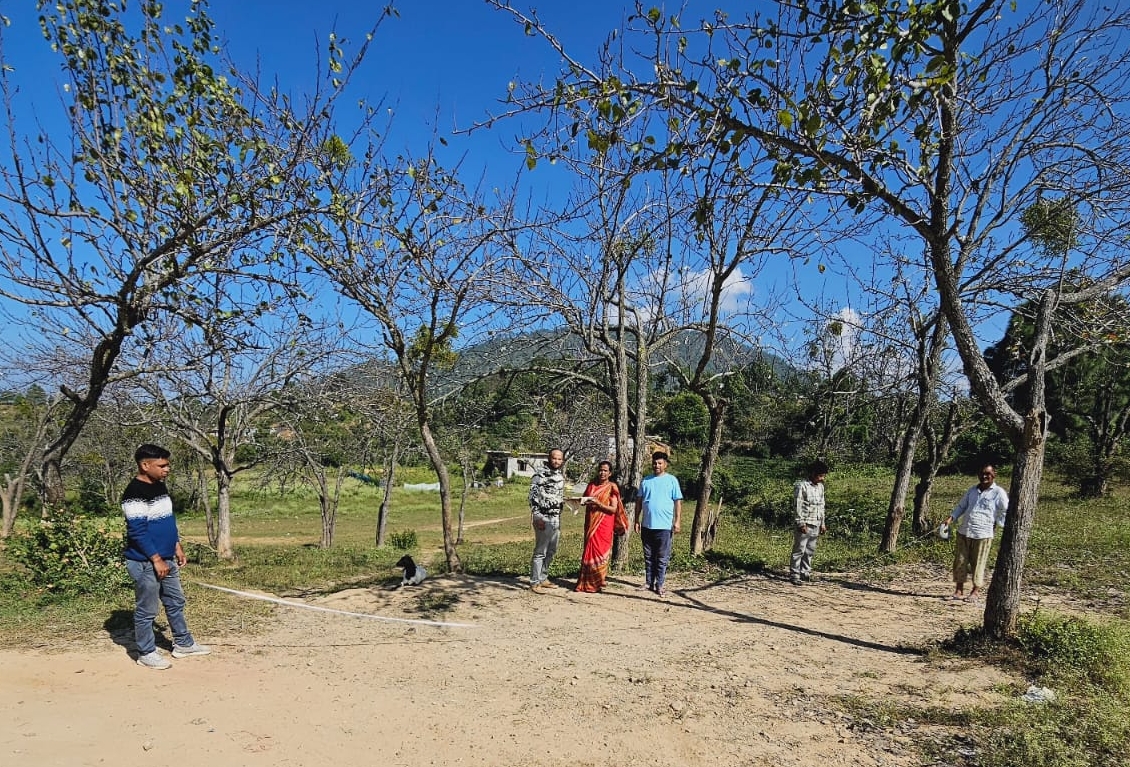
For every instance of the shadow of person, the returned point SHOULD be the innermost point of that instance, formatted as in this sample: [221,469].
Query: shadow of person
[119,626]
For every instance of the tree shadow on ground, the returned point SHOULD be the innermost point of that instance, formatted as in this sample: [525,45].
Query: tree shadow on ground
[694,603]
[853,585]
[735,563]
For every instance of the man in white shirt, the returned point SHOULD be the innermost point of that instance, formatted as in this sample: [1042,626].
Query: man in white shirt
[981,510]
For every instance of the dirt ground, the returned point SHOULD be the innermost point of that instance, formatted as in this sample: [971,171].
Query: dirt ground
[748,671]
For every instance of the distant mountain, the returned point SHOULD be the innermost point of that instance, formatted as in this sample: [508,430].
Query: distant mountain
[561,348]
[523,350]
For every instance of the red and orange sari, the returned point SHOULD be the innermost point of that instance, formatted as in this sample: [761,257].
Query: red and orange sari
[599,521]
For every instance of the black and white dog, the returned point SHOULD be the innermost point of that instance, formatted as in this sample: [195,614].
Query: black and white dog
[414,574]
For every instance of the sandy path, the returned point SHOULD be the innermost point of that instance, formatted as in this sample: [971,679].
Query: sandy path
[738,672]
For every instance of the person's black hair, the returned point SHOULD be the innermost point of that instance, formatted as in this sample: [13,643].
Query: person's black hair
[149,452]
[660,454]
[816,468]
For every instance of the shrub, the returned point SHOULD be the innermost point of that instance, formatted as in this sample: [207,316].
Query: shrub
[72,553]
[1095,652]
[92,498]
[403,540]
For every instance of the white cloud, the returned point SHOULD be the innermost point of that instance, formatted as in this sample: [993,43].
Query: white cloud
[687,294]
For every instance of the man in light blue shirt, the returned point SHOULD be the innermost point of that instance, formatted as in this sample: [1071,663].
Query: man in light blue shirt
[661,511]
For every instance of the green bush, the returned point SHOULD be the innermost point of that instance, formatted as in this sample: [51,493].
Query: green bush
[92,498]
[403,540]
[1087,665]
[1097,653]
[72,553]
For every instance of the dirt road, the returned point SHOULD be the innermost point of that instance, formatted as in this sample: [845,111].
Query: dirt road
[749,671]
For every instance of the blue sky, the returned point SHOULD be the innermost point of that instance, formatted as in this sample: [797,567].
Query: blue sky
[439,62]
[443,64]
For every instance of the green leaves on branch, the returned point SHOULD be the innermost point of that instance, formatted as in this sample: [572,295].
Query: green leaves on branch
[436,348]
[1052,224]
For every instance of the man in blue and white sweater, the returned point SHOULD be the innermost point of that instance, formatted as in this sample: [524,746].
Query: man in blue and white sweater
[154,557]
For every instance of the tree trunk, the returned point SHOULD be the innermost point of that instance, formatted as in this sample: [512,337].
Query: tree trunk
[922,490]
[929,359]
[896,507]
[625,458]
[386,497]
[329,512]
[206,499]
[328,509]
[10,501]
[937,450]
[102,360]
[705,522]
[13,491]
[1002,606]
[224,548]
[636,422]
[452,555]
[463,502]
[54,493]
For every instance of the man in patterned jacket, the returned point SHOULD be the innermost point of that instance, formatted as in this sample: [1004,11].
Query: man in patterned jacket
[547,497]
[808,522]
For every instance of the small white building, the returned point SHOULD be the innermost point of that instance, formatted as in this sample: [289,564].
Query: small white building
[515,464]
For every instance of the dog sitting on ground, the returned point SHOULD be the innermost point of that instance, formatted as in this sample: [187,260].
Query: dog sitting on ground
[414,574]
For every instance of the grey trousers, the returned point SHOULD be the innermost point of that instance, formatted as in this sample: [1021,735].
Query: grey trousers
[545,545]
[804,546]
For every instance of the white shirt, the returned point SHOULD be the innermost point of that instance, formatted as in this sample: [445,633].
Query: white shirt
[979,510]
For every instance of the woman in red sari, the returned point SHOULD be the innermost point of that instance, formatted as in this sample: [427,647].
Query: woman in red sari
[600,517]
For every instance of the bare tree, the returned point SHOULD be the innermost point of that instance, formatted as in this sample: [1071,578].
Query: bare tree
[177,166]
[27,421]
[604,272]
[387,419]
[740,226]
[950,119]
[322,438]
[418,251]
[216,388]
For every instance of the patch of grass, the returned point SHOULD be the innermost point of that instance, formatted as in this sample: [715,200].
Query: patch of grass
[403,540]
[1072,649]
[35,617]
[286,569]
[1087,665]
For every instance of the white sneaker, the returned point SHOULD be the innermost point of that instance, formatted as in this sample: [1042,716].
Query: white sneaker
[153,660]
[196,649]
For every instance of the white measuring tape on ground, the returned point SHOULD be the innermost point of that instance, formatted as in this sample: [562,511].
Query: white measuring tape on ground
[300,605]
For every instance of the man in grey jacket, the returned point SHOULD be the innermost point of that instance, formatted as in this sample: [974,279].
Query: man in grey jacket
[547,497]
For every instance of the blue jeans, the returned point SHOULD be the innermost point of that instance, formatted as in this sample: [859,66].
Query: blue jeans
[149,595]
[656,555]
